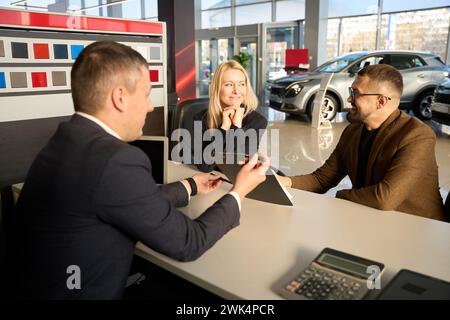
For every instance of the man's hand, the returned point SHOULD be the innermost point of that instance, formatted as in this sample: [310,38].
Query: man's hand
[227,116]
[286,181]
[206,182]
[251,175]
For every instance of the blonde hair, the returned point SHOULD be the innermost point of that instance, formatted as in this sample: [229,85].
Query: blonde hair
[214,116]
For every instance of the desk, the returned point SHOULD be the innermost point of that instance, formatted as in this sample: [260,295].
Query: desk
[274,243]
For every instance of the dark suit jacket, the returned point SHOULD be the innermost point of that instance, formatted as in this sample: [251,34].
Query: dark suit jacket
[401,174]
[88,198]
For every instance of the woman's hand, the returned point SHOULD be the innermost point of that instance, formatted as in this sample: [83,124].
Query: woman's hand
[238,116]
[227,116]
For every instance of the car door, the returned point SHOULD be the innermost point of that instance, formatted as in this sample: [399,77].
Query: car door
[439,70]
[416,75]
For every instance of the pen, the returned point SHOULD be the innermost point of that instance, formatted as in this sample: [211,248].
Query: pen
[223,179]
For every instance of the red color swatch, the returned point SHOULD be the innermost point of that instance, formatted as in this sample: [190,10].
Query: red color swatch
[41,51]
[39,79]
[154,75]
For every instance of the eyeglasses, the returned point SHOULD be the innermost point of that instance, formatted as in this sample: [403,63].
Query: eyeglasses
[354,94]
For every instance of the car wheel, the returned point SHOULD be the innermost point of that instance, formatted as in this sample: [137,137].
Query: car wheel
[329,107]
[422,107]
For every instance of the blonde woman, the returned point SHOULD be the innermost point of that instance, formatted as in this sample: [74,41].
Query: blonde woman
[232,105]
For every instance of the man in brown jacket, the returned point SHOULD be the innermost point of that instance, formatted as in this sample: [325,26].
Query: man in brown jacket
[388,155]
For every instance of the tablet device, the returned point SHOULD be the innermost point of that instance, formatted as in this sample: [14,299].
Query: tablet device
[410,285]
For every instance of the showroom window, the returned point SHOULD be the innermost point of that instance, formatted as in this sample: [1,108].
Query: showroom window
[239,2]
[215,14]
[358,33]
[256,13]
[151,10]
[214,4]
[36,5]
[333,31]
[425,30]
[397,6]
[128,9]
[290,10]
[93,8]
[216,18]
[132,10]
[417,30]
[211,53]
[345,8]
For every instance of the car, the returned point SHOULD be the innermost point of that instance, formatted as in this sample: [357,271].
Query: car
[440,106]
[276,73]
[422,72]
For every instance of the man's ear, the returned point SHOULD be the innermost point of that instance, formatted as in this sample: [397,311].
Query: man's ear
[382,102]
[118,97]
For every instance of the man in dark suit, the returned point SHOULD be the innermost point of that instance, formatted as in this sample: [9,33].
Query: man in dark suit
[89,196]
[388,155]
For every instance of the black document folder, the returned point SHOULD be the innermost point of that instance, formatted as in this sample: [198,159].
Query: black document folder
[271,190]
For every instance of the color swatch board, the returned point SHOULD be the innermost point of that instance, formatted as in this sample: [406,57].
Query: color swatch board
[37,51]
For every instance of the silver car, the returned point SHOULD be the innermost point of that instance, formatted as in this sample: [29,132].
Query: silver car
[421,71]
[441,103]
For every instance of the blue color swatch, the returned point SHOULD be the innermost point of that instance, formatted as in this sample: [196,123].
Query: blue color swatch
[75,50]
[60,51]
[2,80]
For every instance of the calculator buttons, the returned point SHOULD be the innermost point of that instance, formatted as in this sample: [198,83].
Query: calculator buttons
[314,283]
[332,275]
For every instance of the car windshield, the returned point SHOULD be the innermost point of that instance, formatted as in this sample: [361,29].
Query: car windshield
[339,63]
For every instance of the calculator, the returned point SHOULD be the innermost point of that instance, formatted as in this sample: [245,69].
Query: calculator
[333,275]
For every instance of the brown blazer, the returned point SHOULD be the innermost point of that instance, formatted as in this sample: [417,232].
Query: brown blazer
[401,175]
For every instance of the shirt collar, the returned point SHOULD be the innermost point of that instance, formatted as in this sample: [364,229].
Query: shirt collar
[100,123]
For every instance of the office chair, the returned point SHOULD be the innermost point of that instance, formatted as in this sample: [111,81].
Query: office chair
[447,208]
[184,114]
[7,205]
[172,100]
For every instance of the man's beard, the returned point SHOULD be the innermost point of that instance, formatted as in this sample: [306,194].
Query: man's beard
[353,117]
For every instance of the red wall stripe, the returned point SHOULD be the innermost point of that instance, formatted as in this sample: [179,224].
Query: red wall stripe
[73,22]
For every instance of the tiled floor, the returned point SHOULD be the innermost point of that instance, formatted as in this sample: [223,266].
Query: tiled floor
[302,148]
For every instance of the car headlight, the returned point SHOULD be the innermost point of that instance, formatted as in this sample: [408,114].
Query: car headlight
[293,90]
